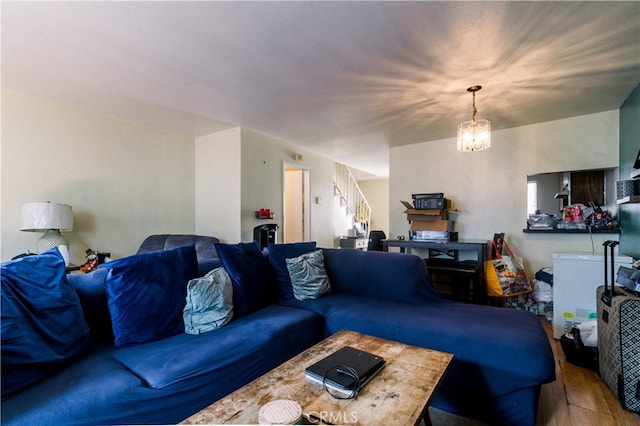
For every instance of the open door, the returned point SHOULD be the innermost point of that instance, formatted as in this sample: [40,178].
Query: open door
[297,200]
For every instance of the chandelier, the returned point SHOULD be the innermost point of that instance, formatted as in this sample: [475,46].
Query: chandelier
[474,135]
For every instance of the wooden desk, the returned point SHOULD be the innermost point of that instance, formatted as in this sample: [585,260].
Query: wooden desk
[399,395]
[451,249]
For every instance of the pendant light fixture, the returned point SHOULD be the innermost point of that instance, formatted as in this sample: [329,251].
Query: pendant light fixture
[474,135]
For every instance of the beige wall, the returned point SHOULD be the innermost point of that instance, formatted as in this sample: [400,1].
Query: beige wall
[262,185]
[124,181]
[217,171]
[489,187]
[376,191]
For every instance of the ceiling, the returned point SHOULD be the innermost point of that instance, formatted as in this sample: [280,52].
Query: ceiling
[345,79]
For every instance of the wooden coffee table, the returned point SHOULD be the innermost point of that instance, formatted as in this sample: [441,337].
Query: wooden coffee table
[399,395]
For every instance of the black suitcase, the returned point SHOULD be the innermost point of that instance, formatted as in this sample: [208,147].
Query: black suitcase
[619,337]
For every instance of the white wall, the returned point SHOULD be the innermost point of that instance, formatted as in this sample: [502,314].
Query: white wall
[217,183]
[124,181]
[376,191]
[489,187]
[262,185]
[342,220]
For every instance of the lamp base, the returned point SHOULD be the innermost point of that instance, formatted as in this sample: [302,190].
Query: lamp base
[50,239]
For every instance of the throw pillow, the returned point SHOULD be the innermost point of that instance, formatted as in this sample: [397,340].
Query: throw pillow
[250,275]
[146,294]
[278,253]
[209,302]
[308,276]
[43,328]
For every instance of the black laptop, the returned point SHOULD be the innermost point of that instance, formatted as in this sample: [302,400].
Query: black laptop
[364,363]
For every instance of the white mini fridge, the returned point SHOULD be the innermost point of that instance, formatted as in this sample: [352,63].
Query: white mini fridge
[576,276]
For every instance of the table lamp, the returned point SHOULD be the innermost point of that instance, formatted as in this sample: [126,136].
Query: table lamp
[50,218]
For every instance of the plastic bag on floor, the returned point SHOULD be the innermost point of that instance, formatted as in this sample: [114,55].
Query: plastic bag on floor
[542,291]
[589,333]
[576,351]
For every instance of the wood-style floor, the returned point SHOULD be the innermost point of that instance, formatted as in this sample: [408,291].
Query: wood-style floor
[578,397]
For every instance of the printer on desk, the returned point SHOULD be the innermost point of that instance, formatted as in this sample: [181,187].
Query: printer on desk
[429,218]
[430,201]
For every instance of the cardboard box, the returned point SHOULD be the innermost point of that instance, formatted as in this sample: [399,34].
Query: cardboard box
[436,221]
[436,224]
[429,216]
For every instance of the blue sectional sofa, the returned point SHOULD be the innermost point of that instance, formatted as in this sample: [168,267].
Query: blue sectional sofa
[501,356]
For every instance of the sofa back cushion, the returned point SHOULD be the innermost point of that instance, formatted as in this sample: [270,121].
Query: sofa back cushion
[395,277]
[250,274]
[43,328]
[93,298]
[147,292]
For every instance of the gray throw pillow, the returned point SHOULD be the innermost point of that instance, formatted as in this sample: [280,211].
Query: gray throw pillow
[308,276]
[209,302]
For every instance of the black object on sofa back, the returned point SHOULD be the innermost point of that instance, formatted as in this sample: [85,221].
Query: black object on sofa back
[205,248]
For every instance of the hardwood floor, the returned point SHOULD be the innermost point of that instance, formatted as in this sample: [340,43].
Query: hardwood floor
[578,397]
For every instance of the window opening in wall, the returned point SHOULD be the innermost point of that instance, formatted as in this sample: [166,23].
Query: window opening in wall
[532,197]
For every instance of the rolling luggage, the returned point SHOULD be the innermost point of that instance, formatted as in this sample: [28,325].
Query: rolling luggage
[619,337]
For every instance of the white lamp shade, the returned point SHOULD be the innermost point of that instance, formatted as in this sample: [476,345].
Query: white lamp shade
[41,216]
[474,135]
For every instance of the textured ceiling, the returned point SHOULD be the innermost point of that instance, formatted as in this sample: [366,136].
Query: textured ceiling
[345,79]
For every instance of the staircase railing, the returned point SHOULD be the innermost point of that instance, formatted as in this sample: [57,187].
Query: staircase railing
[351,196]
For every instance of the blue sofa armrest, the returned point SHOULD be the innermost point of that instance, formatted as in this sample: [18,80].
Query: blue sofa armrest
[389,276]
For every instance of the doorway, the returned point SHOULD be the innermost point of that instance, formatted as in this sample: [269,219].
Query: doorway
[296,221]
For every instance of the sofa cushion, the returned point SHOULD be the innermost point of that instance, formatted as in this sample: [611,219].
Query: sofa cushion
[308,276]
[396,277]
[93,298]
[43,328]
[146,294]
[250,274]
[209,302]
[278,253]
[208,265]
[238,349]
